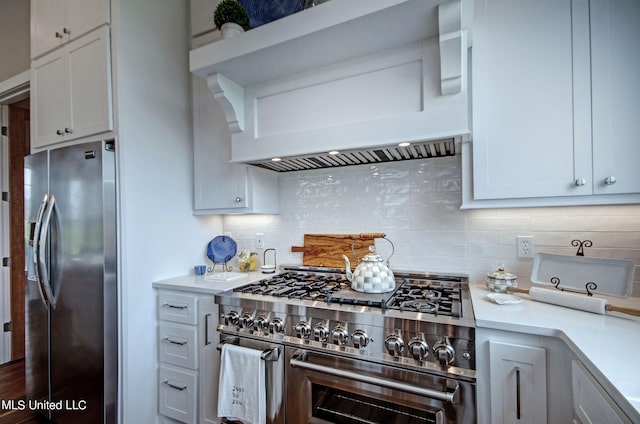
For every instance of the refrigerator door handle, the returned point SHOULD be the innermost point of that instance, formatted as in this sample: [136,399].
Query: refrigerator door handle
[36,246]
[42,252]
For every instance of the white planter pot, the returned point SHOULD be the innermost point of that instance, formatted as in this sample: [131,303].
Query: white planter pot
[230,29]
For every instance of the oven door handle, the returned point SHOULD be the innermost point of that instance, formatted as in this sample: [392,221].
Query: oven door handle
[452,397]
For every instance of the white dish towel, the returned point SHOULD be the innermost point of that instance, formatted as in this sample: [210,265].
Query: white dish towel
[241,394]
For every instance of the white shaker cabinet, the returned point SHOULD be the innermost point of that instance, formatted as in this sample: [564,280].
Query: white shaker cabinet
[518,384]
[555,102]
[71,91]
[209,361]
[523,133]
[615,98]
[222,187]
[188,358]
[523,373]
[591,403]
[56,22]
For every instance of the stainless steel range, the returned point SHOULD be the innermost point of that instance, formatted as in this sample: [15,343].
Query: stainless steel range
[340,356]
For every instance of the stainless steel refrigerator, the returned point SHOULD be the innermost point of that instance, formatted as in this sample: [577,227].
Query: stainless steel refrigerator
[71,293]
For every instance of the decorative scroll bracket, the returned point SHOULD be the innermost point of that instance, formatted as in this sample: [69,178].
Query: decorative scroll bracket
[230,96]
[589,287]
[451,46]
[581,245]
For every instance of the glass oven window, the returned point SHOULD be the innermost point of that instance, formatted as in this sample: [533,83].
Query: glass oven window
[341,407]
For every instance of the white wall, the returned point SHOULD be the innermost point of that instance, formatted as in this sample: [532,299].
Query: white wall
[159,236]
[15,38]
[416,203]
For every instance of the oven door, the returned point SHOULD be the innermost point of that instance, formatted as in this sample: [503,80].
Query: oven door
[334,389]
[274,375]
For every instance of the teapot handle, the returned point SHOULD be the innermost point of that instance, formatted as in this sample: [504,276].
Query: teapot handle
[393,250]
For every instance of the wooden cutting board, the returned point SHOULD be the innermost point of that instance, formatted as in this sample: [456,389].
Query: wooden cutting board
[327,249]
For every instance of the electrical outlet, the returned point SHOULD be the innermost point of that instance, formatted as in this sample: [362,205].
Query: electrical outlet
[525,246]
[259,240]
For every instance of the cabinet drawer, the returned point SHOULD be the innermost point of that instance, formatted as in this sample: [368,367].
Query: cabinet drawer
[177,307]
[177,393]
[178,345]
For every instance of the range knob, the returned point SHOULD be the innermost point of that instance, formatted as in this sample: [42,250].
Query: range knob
[321,332]
[246,321]
[340,335]
[262,323]
[231,318]
[276,325]
[419,349]
[394,345]
[444,352]
[360,339]
[302,329]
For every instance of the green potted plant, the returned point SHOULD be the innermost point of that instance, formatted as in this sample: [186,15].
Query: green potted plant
[231,18]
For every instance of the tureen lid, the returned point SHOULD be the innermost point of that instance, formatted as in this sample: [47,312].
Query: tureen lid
[501,274]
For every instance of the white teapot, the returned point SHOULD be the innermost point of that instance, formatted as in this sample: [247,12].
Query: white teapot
[371,275]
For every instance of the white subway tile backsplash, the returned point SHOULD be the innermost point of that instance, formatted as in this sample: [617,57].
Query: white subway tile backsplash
[416,203]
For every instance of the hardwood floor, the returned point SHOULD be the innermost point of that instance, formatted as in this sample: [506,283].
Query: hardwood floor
[12,387]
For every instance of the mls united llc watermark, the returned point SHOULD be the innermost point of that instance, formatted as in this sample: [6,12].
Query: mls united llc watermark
[44,405]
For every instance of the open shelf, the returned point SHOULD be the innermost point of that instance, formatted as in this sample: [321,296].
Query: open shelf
[330,33]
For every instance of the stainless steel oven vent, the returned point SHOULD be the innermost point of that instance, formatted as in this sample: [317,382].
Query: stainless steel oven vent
[393,153]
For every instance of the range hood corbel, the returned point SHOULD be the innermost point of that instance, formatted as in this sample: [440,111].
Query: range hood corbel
[230,96]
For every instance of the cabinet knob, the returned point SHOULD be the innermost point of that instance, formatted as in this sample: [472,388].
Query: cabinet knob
[60,132]
[610,180]
[58,35]
[238,199]
[66,31]
[580,182]
[68,130]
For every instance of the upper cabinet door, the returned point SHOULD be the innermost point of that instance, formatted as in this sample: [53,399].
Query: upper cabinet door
[524,140]
[90,83]
[49,99]
[71,91]
[55,22]
[87,15]
[47,25]
[615,53]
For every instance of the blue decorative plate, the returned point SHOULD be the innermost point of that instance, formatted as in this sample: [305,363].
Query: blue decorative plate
[221,249]
[264,11]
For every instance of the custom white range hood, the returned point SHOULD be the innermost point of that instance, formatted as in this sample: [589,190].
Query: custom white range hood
[347,76]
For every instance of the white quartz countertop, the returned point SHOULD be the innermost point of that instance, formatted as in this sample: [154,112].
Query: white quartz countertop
[608,345]
[207,284]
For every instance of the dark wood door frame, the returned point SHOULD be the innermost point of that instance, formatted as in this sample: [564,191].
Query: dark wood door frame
[18,149]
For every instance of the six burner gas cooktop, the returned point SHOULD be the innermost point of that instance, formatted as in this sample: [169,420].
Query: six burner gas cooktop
[438,295]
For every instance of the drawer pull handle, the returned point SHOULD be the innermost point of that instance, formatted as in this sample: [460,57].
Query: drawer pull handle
[169,305]
[181,343]
[173,386]
[206,330]
[518,393]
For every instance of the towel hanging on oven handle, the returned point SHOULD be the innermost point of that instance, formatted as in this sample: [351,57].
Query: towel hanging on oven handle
[269,355]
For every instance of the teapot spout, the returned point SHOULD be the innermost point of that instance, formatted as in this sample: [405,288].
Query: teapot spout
[348,268]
